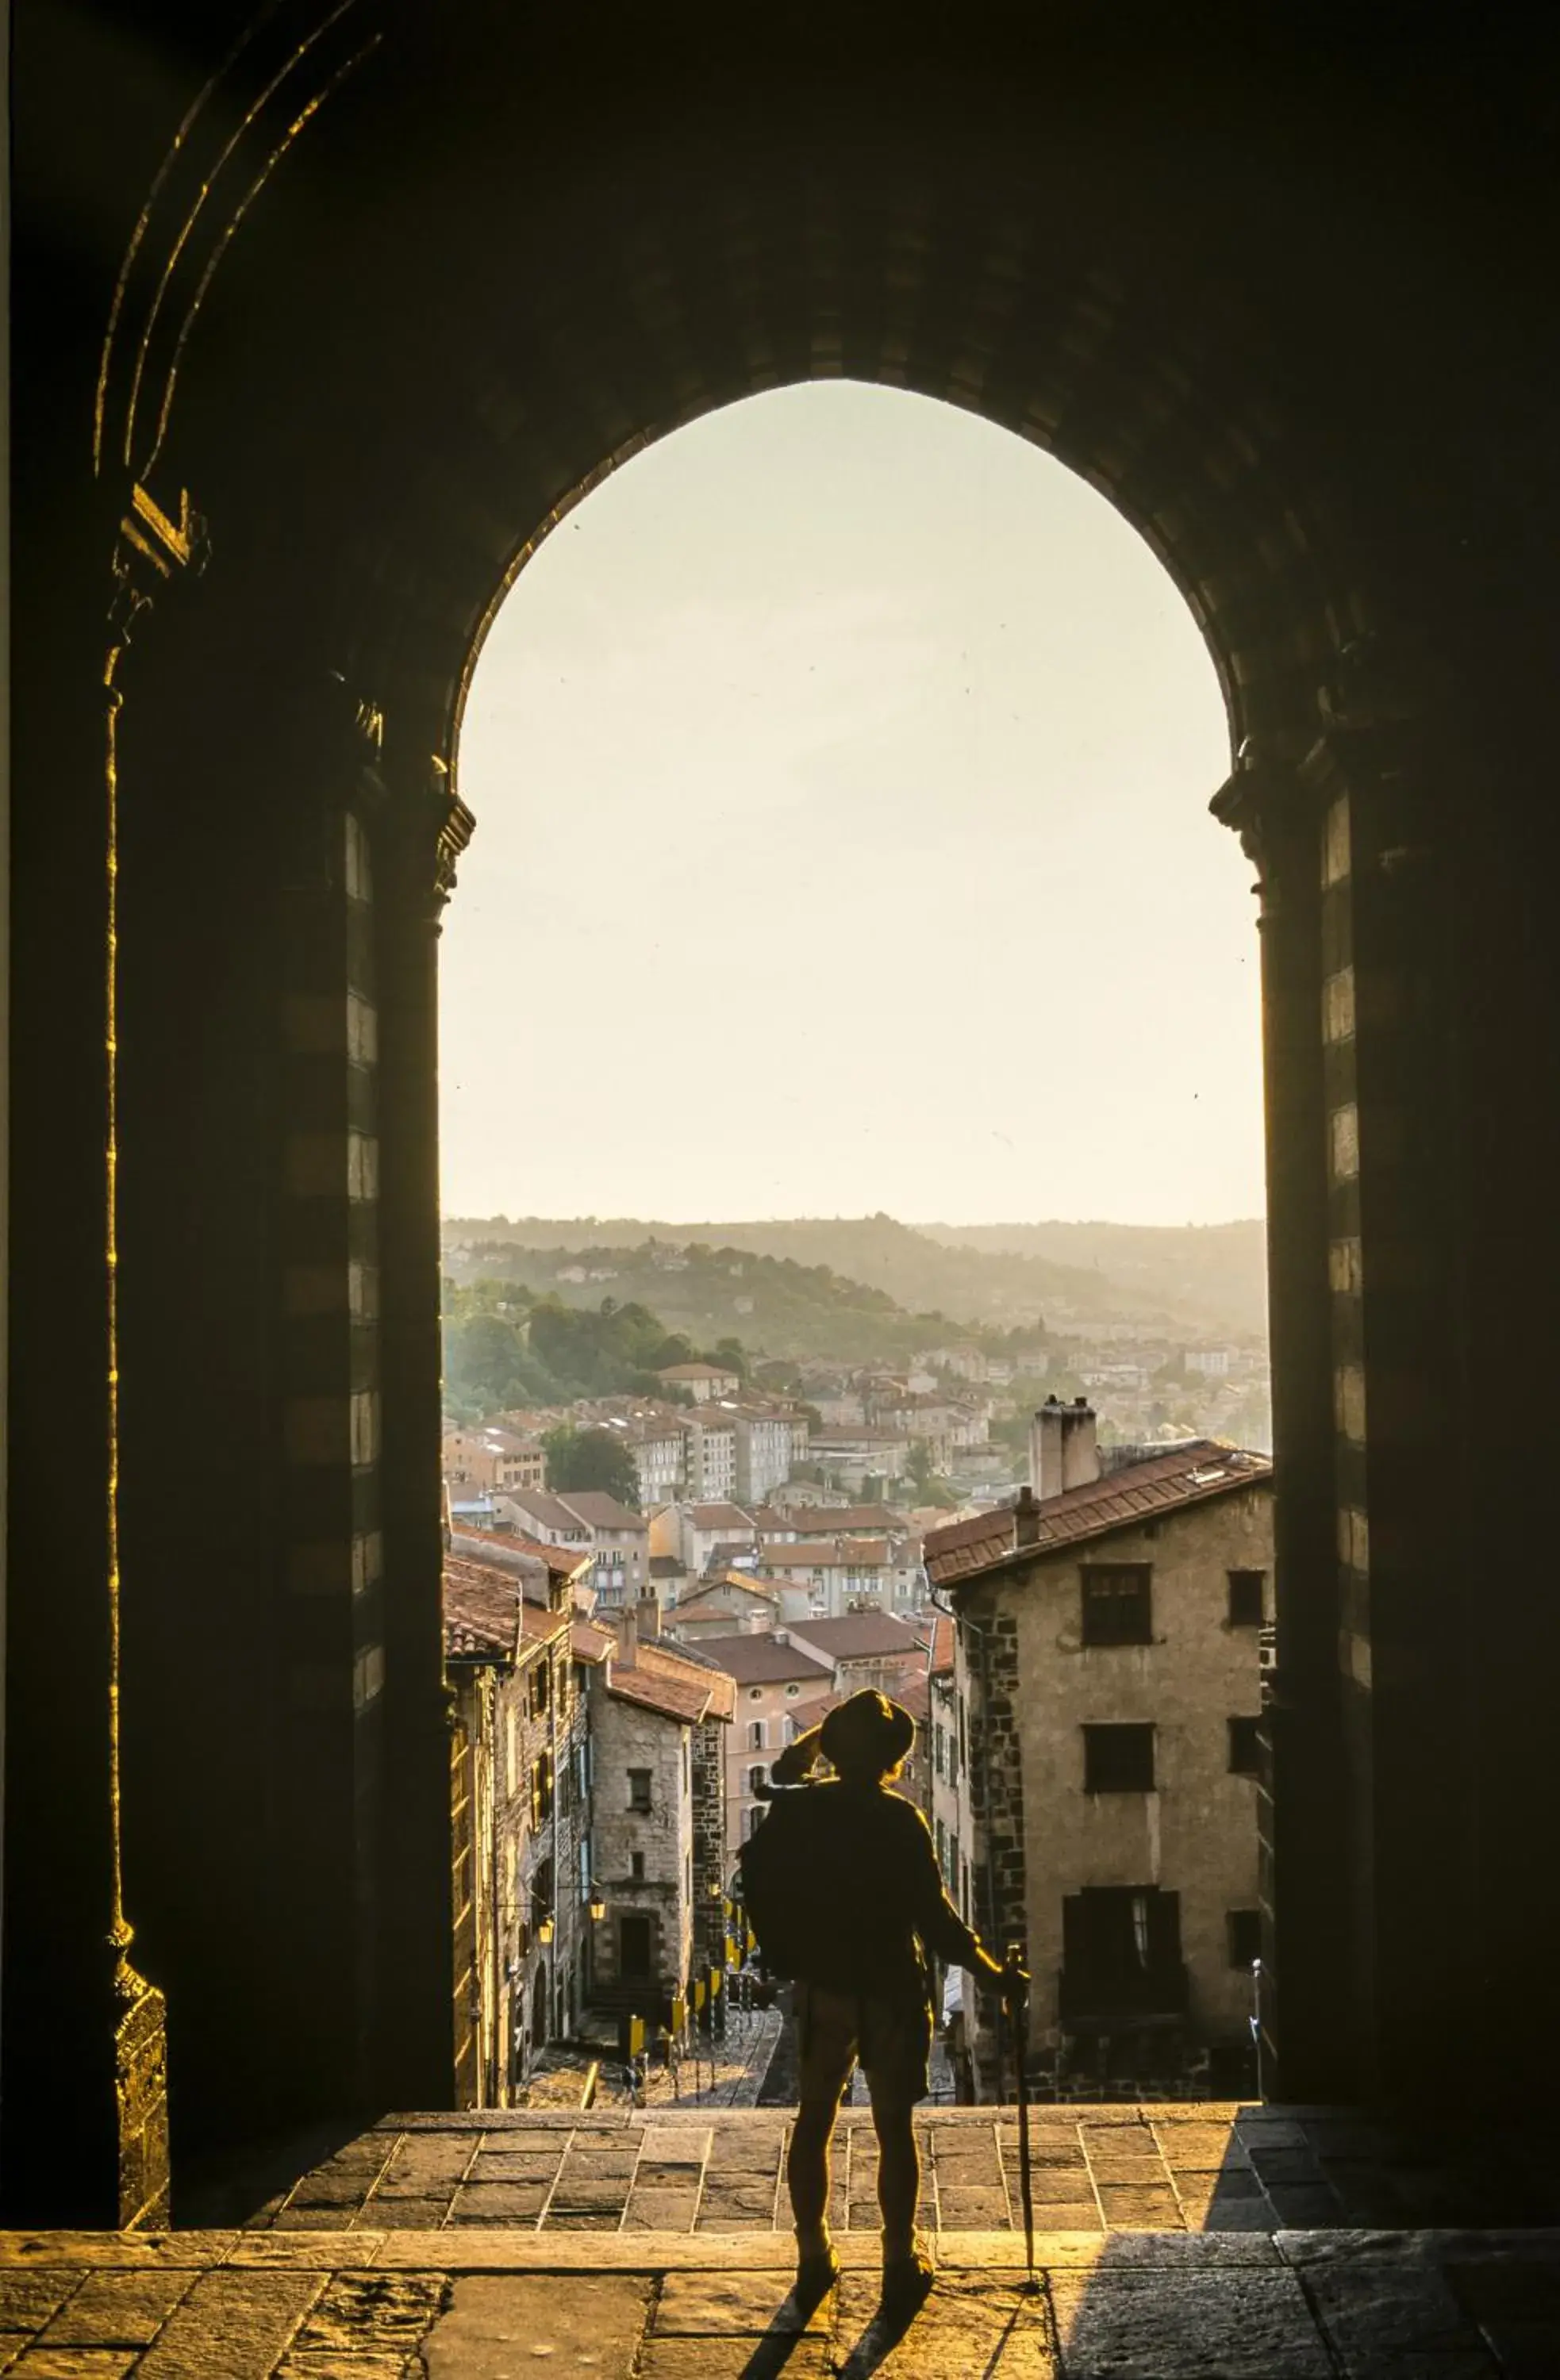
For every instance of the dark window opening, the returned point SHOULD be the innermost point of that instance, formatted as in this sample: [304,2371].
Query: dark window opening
[634,1950]
[639,1789]
[541,1788]
[1121,1948]
[636,1866]
[1245,1927]
[1244,1752]
[1117,1604]
[1246,1590]
[539,1688]
[1118,1760]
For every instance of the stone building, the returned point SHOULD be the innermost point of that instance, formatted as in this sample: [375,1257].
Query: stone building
[1108,1664]
[513,1738]
[658,1715]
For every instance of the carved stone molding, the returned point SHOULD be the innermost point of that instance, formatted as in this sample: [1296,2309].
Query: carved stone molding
[1265,805]
[150,551]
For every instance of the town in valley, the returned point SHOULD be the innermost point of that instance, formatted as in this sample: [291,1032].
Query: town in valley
[700,1486]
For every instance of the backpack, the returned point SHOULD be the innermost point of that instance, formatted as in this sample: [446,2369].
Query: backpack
[778,1884]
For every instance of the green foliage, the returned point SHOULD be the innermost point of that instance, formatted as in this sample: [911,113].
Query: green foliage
[590,1458]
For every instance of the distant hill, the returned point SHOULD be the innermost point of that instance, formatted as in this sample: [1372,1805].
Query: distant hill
[775,1306]
[1211,1287]
[1214,1270]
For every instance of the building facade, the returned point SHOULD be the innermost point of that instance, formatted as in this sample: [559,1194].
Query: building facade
[1108,1666]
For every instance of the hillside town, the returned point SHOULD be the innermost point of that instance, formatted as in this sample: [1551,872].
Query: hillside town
[1077,1625]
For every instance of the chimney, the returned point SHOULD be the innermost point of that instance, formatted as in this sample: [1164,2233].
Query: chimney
[1025,1519]
[627,1625]
[1064,1449]
[649,1612]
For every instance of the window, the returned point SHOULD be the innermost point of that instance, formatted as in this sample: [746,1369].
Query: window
[757,1779]
[511,1769]
[1246,1597]
[755,1818]
[540,1681]
[1244,1750]
[1121,1947]
[639,1789]
[1245,1929]
[1118,1760]
[755,1694]
[541,1788]
[636,1867]
[791,1693]
[1116,1603]
[755,1735]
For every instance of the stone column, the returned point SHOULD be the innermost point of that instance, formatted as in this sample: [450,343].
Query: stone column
[1306,1857]
[419,838]
[84,2032]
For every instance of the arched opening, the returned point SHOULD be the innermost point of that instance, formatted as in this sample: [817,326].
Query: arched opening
[1211,350]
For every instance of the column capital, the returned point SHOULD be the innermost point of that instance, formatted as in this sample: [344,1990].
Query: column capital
[431,827]
[1266,803]
[151,550]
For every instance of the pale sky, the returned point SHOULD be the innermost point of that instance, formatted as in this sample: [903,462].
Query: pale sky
[841,770]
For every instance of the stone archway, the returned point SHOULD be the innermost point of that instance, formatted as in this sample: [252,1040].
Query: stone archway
[380,322]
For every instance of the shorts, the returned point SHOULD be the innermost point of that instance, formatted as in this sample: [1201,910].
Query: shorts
[891,2039]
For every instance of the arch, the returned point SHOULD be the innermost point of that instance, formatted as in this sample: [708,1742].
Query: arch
[407,283]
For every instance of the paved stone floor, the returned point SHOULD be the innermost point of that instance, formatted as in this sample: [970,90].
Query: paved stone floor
[1173,2243]
[1191,2167]
[493,2305]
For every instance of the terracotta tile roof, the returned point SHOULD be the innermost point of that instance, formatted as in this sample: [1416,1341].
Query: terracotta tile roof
[670,1696]
[822,1553]
[719,1516]
[663,1678]
[589,1643]
[940,1662]
[538,1506]
[600,1511]
[857,1634]
[1186,1474]
[841,1519]
[681,1662]
[482,1609]
[768,1660]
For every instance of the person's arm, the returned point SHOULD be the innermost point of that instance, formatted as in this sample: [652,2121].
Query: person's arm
[935,1919]
[796,1762]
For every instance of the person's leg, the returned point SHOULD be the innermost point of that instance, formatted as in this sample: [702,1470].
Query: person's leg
[807,2174]
[898,2044]
[898,2175]
[826,2035]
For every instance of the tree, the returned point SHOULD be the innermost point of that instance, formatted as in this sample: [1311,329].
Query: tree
[590,1458]
[922,1468]
[730,1356]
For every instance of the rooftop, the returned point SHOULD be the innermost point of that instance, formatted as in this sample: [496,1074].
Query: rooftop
[769,1659]
[600,1511]
[822,1553]
[1192,1473]
[859,1633]
[718,1516]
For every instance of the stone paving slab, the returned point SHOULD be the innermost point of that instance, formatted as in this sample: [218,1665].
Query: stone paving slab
[1361,2305]
[1119,2168]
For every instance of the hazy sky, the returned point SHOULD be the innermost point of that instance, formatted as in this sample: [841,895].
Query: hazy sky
[841,768]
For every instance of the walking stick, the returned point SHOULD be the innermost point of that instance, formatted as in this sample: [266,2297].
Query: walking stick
[1018,2029]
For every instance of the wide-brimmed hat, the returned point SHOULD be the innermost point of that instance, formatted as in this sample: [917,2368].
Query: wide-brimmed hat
[867,1731]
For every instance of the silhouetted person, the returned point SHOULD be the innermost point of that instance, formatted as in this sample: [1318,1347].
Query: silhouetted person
[857,1860]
